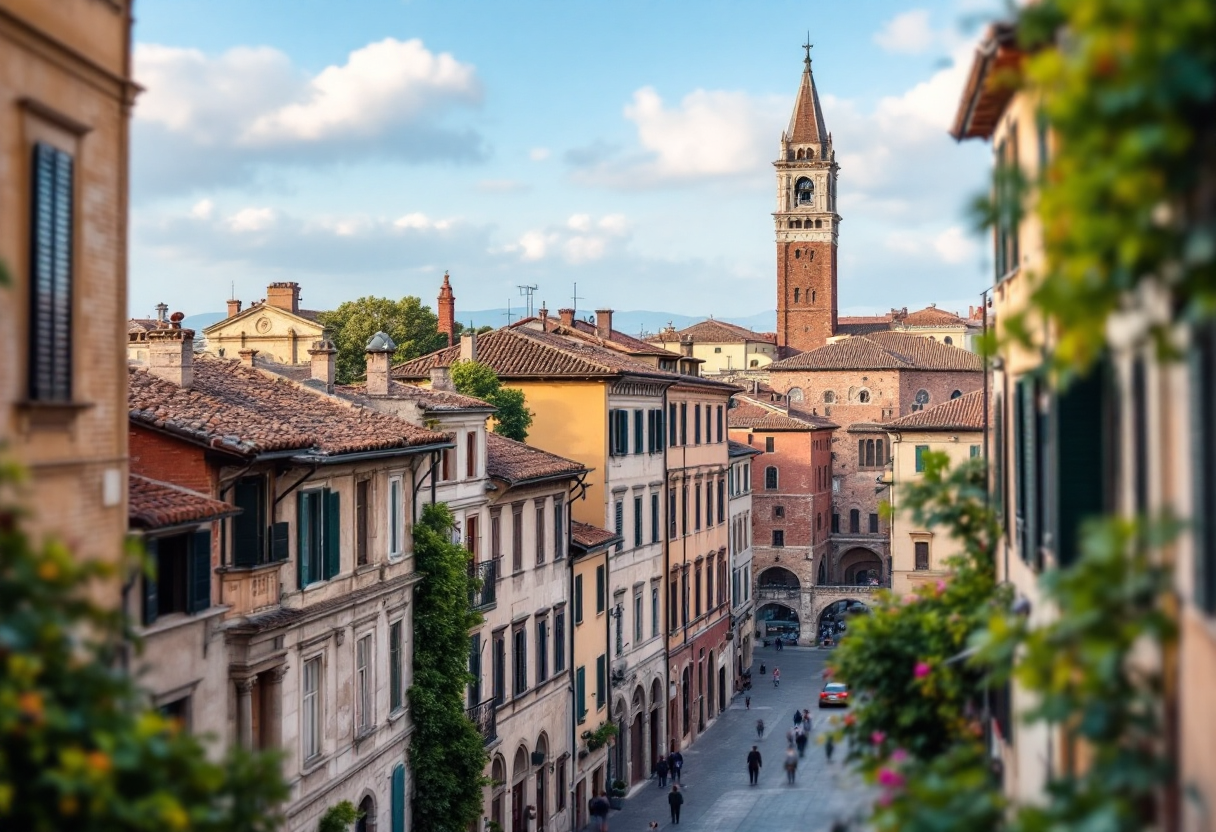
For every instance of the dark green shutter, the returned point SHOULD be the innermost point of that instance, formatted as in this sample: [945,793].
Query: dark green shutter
[578,599]
[601,681]
[1203,464]
[639,435]
[397,818]
[151,605]
[599,588]
[580,692]
[304,543]
[612,432]
[198,572]
[1028,469]
[248,526]
[280,546]
[332,534]
[1079,469]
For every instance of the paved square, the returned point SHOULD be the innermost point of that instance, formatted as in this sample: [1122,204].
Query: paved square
[716,791]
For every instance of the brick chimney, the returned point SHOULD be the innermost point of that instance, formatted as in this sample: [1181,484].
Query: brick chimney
[247,356]
[447,309]
[323,354]
[441,378]
[566,316]
[234,308]
[284,296]
[379,353]
[544,318]
[468,346]
[171,353]
[603,323]
[686,346]
[162,313]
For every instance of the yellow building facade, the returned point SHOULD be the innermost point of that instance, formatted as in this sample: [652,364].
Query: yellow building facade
[276,327]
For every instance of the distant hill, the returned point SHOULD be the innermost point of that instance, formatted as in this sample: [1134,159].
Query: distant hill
[202,320]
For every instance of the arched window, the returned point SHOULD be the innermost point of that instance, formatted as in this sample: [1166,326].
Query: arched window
[948,340]
[770,478]
[810,153]
[798,155]
[812,296]
[829,397]
[367,820]
[795,394]
[956,394]
[864,397]
[920,400]
[797,295]
[804,191]
[397,792]
[819,223]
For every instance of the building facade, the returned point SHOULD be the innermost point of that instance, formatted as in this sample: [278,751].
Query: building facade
[275,326]
[723,348]
[739,509]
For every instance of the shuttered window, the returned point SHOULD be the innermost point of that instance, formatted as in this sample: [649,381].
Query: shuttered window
[1203,418]
[639,432]
[654,518]
[671,419]
[1081,471]
[921,450]
[922,554]
[619,523]
[248,527]
[51,249]
[396,652]
[318,531]
[397,815]
[1026,470]
[559,528]
[559,641]
[182,583]
[638,521]
[578,599]
[601,588]
[580,693]
[601,682]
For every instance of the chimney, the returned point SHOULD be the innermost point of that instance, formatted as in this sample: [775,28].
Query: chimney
[468,346]
[379,352]
[686,346]
[171,353]
[284,296]
[162,313]
[247,356]
[603,323]
[323,354]
[544,318]
[566,316]
[441,378]
[447,309]
[234,308]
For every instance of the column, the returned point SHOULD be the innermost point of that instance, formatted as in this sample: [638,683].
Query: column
[647,763]
[244,711]
[273,706]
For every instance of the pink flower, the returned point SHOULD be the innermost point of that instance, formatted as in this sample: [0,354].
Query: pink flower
[899,755]
[890,778]
[941,587]
[877,737]
[921,670]
[911,598]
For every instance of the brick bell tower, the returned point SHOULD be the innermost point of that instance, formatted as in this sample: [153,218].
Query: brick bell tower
[807,225]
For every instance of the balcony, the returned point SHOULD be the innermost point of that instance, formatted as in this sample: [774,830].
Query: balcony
[778,593]
[487,572]
[484,716]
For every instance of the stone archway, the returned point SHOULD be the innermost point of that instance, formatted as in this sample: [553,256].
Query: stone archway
[778,577]
[834,617]
[778,619]
[637,739]
[860,567]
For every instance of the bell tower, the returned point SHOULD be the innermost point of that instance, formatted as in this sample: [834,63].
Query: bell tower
[806,225]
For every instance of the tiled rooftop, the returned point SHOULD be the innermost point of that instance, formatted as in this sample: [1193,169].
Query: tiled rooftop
[248,412]
[932,316]
[759,415]
[734,448]
[713,331]
[425,397]
[964,413]
[590,537]
[153,504]
[515,462]
[884,351]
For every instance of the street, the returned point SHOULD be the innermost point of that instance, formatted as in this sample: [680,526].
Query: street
[715,783]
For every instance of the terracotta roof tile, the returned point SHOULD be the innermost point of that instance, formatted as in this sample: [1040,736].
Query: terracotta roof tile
[884,351]
[932,316]
[591,537]
[426,398]
[515,462]
[964,413]
[247,411]
[758,415]
[153,504]
[734,448]
[713,331]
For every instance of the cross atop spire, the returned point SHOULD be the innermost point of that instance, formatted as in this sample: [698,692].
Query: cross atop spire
[808,46]
[806,122]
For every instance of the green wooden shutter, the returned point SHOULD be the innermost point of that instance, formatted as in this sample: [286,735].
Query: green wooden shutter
[332,533]
[151,605]
[612,432]
[921,450]
[1028,469]
[580,689]
[248,526]
[1080,460]
[280,547]
[578,599]
[599,588]
[639,433]
[601,681]
[397,818]
[304,542]
[198,572]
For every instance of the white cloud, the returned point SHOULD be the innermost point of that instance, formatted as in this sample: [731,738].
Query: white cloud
[582,249]
[538,154]
[908,33]
[534,245]
[580,239]
[614,224]
[420,221]
[251,219]
[954,245]
[579,222]
[202,209]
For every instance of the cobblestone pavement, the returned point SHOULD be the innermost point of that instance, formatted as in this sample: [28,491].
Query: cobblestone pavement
[716,791]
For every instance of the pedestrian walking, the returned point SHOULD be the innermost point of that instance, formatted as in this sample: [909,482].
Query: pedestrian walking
[800,742]
[759,729]
[829,747]
[675,800]
[789,736]
[599,811]
[791,765]
[661,768]
[797,717]
[747,700]
[677,767]
[776,676]
[753,766]
[806,719]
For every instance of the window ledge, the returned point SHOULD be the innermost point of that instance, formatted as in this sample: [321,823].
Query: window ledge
[175,620]
[396,714]
[313,764]
[366,733]
[40,415]
[261,567]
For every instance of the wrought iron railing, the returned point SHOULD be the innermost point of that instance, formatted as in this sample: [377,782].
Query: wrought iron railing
[484,716]
[487,572]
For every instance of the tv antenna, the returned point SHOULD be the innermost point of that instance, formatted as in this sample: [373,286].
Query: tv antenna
[508,312]
[526,292]
[576,299]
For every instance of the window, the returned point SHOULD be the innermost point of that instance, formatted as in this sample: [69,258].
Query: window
[470,454]
[639,433]
[318,527]
[684,600]
[684,510]
[364,686]
[446,468]
[580,693]
[619,613]
[854,521]
[578,599]
[183,575]
[709,503]
[797,292]
[618,432]
[709,584]
[654,518]
[804,192]
[654,611]
[1203,416]
[922,554]
[638,618]
[51,254]
[795,394]
[770,478]
[673,600]
[871,453]
[835,485]
[499,684]
[696,424]
[542,650]
[655,431]
[601,588]
[721,501]
[601,682]
[948,341]
[717,349]
[720,422]
[474,669]
[249,530]
[921,450]
[361,521]
[671,515]
[519,661]
[559,797]
[559,528]
[864,397]
[559,641]
[770,444]
[472,535]
[873,523]
[975,451]
[540,534]
[829,397]
[496,535]
[517,538]
[396,524]
[637,520]
[396,676]
[683,423]
[672,424]
[778,512]
[619,523]
[778,537]
[697,594]
[920,400]
[696,517]
[835,523]
[397,800]
[310,708]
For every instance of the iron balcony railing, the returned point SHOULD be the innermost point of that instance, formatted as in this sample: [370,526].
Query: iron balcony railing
[484,716]
[487,572]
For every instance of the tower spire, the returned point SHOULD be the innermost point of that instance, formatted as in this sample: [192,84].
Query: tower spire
[806,122]
[808,46]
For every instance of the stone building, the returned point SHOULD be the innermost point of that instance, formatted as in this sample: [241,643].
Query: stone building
[919,555]
[724,348]
[310,596]
[276,327]
[66,92]
[739,510]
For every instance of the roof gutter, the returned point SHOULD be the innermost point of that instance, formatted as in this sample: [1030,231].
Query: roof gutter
[565,475]
[360,456]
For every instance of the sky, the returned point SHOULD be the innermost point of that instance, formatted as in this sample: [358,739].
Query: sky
[366,147]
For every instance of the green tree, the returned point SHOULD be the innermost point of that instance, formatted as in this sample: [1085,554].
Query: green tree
[339,817]
[79,747]
[413,327]
[447,753]
[478,380]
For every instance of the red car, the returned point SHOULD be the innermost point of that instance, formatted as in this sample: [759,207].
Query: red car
[833,695]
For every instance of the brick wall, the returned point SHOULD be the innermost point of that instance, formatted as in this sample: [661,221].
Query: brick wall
[160,457]
[810,269]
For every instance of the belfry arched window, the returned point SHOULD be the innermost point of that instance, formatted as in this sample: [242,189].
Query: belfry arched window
[804,191]
[797,295]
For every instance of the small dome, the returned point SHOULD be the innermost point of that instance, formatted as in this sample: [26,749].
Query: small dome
[380,342]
